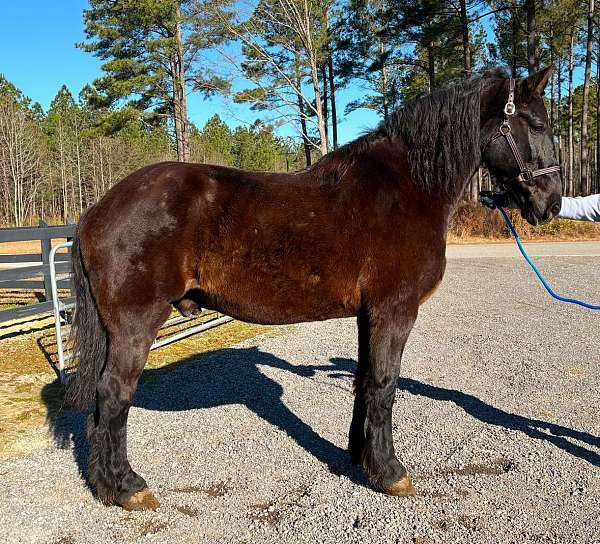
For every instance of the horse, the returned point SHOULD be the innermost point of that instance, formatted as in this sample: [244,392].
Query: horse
[362,233]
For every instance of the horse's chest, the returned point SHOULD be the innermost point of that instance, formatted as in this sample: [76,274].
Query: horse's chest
[415,272]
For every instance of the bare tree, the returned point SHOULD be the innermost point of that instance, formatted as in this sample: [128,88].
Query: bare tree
[21,159]
[284,45]
[585,180]
[570,188]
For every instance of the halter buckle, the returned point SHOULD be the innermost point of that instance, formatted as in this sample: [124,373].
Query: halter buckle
[504,128]
[510,109]
[526,176]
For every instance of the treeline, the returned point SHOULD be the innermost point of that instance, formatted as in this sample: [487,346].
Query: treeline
[54,164]
[288,60]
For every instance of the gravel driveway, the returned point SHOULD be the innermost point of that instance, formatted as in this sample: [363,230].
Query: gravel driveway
[497,418]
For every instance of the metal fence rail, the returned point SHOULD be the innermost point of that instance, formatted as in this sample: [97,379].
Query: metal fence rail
[50,271]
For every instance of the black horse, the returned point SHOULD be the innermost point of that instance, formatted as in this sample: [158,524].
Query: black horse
[361,233]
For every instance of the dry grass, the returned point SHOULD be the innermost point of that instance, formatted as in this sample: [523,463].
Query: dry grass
[27,349]
[474,223]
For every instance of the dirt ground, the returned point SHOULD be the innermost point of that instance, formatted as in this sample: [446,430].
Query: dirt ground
[30,246]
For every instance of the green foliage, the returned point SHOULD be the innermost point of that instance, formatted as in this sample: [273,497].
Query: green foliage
[133,39]
[251,148]
[256,148]
[400,49]
[77,152]
[214,143]
[366,51]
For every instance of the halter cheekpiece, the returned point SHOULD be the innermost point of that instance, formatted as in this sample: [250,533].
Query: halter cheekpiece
[525,175]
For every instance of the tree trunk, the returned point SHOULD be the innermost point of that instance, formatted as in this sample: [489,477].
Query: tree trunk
[330,75]
[570,120]
[474,186]
[384,83]
[558,121]
[431,66]
[311,53]
[552,94]
[585,184]
[319,108]
[305,139]
[333,106]
[63,172]
[325,100]
[532,60]
[466,41]
[78,159]
[179,98]
[597,188]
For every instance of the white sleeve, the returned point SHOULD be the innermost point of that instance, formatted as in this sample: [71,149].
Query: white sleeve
[581,208]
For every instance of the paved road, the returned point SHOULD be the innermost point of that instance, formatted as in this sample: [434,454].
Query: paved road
[535,249]
[497,418]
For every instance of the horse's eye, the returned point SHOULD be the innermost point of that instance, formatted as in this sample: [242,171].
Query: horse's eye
[537,128]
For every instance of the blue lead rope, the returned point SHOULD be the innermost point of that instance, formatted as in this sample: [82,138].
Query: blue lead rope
[537,272]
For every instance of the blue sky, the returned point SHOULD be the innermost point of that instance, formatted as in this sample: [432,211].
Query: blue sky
[37,41]
[38,55]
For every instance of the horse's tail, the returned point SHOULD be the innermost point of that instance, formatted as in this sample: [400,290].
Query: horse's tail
[89,336]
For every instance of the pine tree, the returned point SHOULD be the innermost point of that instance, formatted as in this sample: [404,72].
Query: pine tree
[285,47]
[150,50]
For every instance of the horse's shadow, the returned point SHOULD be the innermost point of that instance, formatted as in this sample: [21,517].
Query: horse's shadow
[233,376]
[486,413]
[227,376]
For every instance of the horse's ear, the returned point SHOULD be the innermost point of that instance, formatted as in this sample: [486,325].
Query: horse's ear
[534,85]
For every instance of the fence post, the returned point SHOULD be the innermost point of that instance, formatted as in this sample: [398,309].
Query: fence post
[68,315]
[46,246]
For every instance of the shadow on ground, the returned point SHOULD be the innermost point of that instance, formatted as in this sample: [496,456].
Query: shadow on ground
[233,376]
[490,415]
[227,376]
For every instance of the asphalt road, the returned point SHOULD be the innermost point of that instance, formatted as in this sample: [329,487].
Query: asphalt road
[497,418]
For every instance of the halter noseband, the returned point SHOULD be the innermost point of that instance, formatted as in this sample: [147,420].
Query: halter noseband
[525,175]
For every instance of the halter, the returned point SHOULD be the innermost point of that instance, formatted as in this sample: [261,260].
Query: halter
[525,175]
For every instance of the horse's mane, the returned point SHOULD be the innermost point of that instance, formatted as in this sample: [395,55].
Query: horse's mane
[440,130]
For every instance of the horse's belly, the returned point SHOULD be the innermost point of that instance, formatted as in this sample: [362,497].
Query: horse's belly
[279,296]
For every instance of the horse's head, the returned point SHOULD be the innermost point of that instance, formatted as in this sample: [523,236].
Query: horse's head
[519,147]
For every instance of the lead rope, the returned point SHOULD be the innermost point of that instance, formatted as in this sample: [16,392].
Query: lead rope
[551,291]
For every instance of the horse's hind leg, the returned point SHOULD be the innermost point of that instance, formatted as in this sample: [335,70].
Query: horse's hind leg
[110,471]
[383,333]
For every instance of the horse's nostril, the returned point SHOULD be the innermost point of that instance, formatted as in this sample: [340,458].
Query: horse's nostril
[555,209]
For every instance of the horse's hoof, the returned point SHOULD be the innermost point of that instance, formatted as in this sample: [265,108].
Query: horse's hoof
[402,488]
[142,500]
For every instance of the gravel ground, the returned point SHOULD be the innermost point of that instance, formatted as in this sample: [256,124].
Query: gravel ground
[497,418]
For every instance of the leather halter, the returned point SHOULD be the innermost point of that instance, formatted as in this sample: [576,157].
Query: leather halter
[526,175]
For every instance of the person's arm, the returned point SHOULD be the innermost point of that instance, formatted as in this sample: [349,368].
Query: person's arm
[582,208]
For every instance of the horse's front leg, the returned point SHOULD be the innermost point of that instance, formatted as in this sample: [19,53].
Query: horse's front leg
[383,332]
